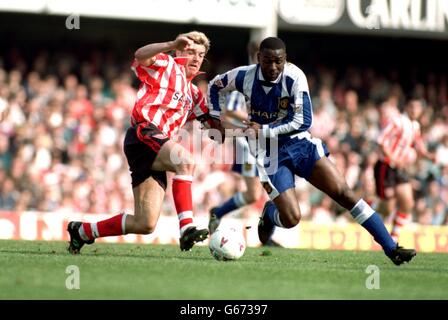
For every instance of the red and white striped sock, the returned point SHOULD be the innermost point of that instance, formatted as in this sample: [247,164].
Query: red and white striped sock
[114,226]
[401,219]
[183,201]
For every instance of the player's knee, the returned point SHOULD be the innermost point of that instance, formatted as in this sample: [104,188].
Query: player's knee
[291,218]
[186,167]
[145,227]
[251,197]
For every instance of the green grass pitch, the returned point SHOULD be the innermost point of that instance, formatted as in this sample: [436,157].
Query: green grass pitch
[37,270]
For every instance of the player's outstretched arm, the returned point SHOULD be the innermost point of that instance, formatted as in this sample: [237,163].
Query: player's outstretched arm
[146,54]
[422,149]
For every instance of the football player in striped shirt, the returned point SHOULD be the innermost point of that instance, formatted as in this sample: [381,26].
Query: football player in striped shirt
[166,99]
[400,143]
[280,109]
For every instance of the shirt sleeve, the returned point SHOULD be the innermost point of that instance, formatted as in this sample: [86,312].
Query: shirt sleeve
[419,144]
[218,87]
[152,74]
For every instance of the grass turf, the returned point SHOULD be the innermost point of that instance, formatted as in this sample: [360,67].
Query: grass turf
[37,270]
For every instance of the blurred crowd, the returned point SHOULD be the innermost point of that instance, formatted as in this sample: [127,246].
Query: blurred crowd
[62,125]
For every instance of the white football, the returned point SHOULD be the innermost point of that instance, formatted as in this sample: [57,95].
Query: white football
[226,243]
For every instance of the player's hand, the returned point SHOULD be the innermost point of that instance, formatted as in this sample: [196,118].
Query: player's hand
[183,43]
[214,126]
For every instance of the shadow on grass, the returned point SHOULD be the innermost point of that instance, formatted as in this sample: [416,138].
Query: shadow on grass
[97,253]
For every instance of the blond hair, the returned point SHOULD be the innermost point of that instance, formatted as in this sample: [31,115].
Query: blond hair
[198,38]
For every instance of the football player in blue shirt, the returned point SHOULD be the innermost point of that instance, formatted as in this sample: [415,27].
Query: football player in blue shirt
[277,95]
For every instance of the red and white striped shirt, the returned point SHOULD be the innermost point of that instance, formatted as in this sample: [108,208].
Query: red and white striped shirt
[399,140]
[166,98]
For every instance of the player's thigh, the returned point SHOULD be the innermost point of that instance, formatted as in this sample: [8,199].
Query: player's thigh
[327,178]
[172,156]
[404,195]
[384,180]
[310,160]
[148,200]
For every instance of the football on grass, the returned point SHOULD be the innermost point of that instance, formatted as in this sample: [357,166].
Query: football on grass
[226,243]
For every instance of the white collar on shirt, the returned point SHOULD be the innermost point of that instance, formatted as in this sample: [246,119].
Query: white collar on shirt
[260,76]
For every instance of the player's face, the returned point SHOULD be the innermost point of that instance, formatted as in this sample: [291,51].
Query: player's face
[272,63]
[415,109]
[195,57]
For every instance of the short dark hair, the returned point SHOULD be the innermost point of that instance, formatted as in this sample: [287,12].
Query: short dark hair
[272,43]
[415,97]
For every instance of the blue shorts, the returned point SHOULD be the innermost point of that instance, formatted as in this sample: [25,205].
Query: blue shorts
[296,157]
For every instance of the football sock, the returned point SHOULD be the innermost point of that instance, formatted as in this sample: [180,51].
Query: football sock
[237,201]
[400,220]
[373,223]
[183,201]
[273,214]
[114,226]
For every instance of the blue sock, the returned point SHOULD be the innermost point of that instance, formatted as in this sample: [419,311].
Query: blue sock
[237,201]
[373,223]
[273,215]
